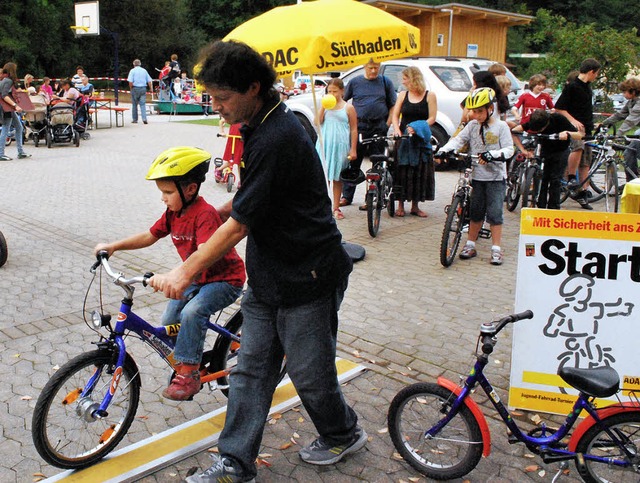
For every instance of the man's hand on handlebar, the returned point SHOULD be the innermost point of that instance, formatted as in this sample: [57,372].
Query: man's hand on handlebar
[484,158]
[171,284]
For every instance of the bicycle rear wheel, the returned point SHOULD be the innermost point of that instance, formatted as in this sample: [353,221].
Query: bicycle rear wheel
[224,355]
[451,453]
[597,442]
[374,209]
[64,431]
[452,232]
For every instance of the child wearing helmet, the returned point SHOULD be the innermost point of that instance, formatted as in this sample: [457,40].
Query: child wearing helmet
[190,220]
[491,139]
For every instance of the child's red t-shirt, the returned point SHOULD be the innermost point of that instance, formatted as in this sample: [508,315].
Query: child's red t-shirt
[194,227]
[530,102]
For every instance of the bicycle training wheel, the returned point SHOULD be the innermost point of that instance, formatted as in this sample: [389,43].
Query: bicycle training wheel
[374,207]
[452,233]
[64,432]
[4,250]
[598,442]
[451,453]
[516,180]
[529,188]
[224,355]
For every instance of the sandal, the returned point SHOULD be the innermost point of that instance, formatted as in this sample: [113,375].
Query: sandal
[419,213]
[337,214]
[400,213]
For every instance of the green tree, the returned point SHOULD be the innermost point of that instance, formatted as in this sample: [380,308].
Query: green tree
[616,50]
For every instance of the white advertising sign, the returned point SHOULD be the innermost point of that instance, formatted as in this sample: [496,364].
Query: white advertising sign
[579,272]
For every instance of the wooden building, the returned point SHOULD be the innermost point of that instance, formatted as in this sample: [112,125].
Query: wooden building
[457,30]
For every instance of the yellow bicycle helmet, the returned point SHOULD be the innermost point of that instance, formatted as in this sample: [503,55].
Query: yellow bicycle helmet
[484,96]
[184,163]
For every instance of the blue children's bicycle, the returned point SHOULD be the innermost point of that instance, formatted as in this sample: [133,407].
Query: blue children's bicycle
[440,430]
[88,405]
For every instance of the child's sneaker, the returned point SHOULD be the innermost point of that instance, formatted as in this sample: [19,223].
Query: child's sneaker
[496,257]
[185,384]
[322,453]
[222,470]
[468,251]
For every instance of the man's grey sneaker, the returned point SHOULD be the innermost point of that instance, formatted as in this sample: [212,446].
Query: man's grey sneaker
[23,155]
[583,200]
[4,157]
[321,453]
[467,252]
[221,471]
[496,257]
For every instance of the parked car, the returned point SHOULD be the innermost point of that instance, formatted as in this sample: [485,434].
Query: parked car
[448,77]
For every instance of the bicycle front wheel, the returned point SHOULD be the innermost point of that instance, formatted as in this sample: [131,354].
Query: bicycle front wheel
[516,180]
[390,196]
[612,194]
[599,442]
[4,250]
[451,453]
[64,431]
[452,232]
[530,188]
[374,209]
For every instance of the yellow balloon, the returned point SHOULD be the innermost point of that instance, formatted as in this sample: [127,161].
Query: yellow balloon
[329,101]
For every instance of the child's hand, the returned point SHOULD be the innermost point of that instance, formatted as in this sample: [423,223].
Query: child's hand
[103,247]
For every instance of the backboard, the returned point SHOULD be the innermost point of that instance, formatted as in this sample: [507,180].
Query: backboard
[87,18]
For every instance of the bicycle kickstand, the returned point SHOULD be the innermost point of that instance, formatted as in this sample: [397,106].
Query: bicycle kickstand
[564,465]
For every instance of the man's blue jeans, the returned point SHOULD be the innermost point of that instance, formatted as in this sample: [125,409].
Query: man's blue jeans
[6,126]
[193,315]
[307,335]
[139,98]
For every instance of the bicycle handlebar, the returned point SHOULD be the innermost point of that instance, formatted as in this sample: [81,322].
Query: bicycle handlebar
[118,278]
[488,331]
[552,137]
[376,138]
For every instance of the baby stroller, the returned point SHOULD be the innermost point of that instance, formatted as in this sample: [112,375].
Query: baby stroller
[60,125]
[36,120]
[82,118]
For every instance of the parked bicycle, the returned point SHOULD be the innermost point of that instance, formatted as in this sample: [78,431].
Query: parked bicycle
[379,183]
[441,431]
[458,211]
[525,178]
[4,251]
[88,405]
[603,176]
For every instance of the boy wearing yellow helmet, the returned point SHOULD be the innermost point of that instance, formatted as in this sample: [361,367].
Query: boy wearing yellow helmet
[491,139]
[190,220]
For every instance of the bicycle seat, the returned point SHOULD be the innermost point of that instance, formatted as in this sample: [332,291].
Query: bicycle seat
[599,381]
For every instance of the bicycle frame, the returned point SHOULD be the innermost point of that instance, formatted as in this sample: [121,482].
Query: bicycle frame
[545,445]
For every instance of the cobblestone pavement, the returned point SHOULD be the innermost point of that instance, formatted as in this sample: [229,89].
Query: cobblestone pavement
[405,317]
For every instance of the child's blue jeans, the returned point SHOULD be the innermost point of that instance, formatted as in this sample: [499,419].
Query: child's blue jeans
[193,315]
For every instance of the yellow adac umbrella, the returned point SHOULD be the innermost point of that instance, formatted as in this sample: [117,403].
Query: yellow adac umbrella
[327,35]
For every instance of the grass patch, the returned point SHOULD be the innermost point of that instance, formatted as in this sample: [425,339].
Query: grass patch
[205,122]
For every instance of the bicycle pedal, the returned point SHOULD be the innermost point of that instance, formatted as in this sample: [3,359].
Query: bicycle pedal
[485,233]
[511,438]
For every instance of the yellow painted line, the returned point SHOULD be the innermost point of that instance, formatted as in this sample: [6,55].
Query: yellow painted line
[175,444]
